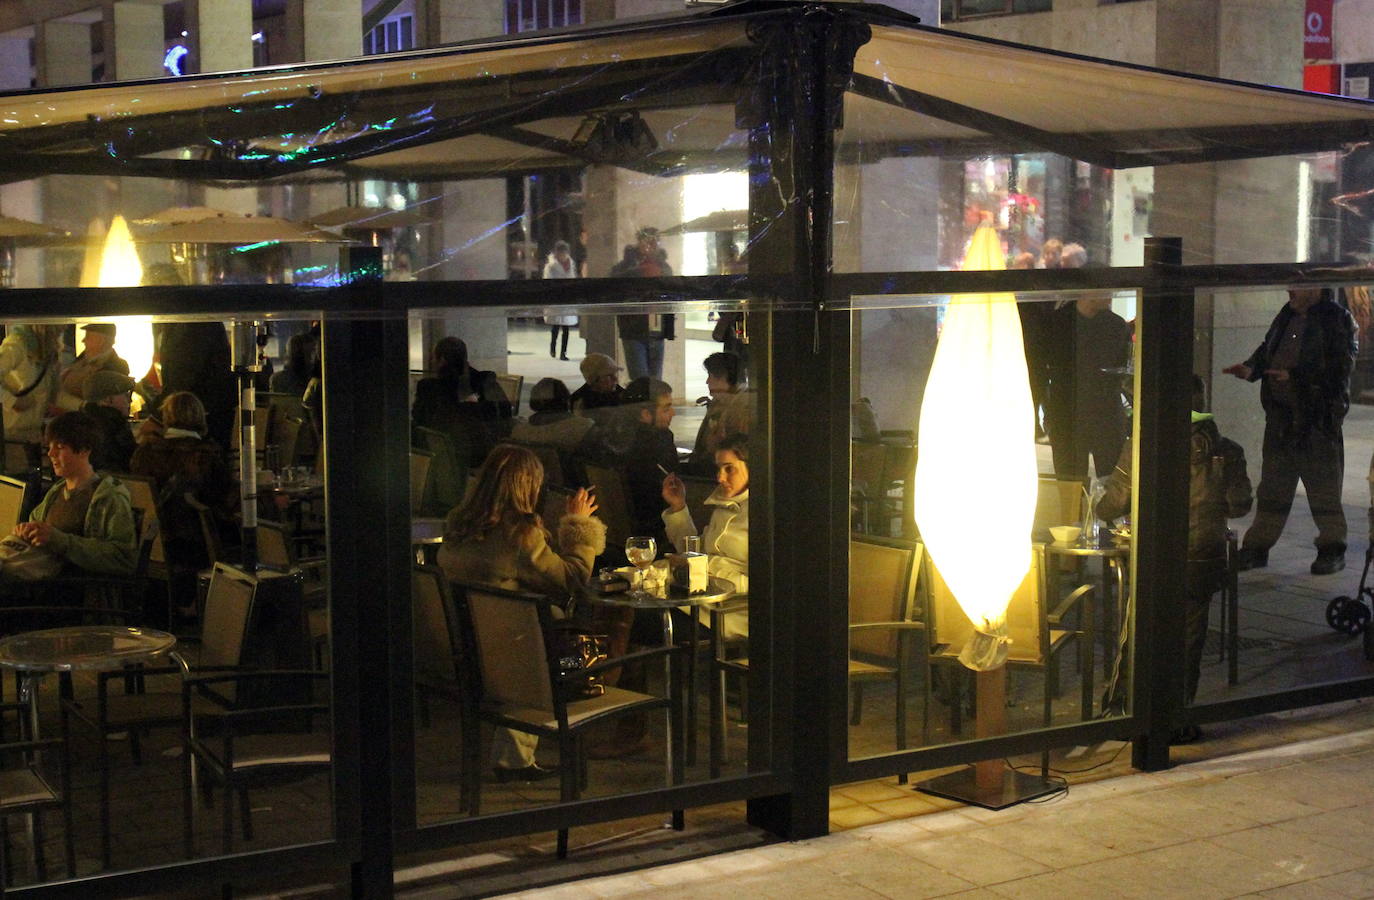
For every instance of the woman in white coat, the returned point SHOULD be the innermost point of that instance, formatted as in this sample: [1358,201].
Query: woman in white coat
[28,375]
[726,536]
[560,265]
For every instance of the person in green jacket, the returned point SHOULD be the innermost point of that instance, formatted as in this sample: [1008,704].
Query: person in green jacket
[85,519]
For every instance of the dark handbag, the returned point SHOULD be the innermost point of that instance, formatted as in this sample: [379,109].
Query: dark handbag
[574,649]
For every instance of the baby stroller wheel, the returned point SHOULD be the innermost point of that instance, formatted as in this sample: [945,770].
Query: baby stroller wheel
[1347,616]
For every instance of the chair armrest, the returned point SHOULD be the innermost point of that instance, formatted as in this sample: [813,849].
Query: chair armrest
[30,746]
[734,603]
[1057,614]
[888,626]
[619,661]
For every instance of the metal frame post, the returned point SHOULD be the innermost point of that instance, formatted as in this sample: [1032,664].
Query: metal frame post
[1164,369]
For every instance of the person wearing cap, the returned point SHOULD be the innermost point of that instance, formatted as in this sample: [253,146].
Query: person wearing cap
[97,355]
[642,336]
[603,386]
[107,403]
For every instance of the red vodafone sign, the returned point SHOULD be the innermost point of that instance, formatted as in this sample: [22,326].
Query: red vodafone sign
[1316,30]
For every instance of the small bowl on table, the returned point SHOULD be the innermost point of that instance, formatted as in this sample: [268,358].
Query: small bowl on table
[1065,534]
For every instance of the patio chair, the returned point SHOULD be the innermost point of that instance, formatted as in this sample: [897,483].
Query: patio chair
[26,790]
[441,672]
[447,471]
[255,744]
[277,551]
[613,502]
[224,628]
[1041,628]
[886,626]
[11,503]
[420,461]
[511,386]
[523,689]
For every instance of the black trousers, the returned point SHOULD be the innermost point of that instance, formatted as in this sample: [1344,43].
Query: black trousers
[1317,458]
[553,338]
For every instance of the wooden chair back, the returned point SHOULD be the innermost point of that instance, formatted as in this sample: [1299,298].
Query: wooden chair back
[508,632]
[11,503]
[699,488]
[511,386]
[274,546]
[143,497]
[1058,502]
[553,506]
[447,474]
[224,626]
[883,576]
[420,461]
[613,502]
[950,627]
[432,616]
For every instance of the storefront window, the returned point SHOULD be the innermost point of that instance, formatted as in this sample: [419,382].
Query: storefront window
[659,464]
[913,641]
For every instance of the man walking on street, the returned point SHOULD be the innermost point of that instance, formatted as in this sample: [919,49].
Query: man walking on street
[1304,366]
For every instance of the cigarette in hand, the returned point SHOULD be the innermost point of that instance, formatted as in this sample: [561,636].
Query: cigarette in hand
[663,470]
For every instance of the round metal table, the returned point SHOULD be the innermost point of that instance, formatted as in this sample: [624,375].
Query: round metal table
[718,589]
[1115,555]
[425,532]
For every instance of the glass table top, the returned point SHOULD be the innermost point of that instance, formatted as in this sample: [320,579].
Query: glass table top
[82,647]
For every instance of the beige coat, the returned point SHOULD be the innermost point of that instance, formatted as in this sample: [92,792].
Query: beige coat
[524,560]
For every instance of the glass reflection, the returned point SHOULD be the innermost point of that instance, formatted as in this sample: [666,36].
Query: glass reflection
[1070,618]
[1288,386]
[530,472]
[124,475]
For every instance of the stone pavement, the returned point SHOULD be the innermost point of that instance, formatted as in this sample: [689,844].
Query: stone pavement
[1291,820]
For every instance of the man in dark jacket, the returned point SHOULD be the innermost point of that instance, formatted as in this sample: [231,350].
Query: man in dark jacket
[1218,489]
[652,453]
[643,335]
[107,403]
[1305,363]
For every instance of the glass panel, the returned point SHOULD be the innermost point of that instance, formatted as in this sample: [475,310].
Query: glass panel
[158,450]
[514,418]
[1073,177]
[1307,460]
[953,480]
[487,159]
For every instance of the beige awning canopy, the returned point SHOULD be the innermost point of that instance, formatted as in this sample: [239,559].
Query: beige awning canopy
[537,104]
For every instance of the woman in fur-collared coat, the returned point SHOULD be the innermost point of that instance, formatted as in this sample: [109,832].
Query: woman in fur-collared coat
[496,538]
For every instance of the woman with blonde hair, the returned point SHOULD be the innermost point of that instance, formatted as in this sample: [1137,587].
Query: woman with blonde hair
[496,537]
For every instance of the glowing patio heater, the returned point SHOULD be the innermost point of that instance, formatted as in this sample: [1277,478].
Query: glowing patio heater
[974,495]
[118,265]
[976,473]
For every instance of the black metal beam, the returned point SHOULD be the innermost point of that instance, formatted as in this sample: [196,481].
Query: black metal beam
[1163,391]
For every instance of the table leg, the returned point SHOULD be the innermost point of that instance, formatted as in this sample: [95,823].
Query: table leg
[29,685]
[694,635]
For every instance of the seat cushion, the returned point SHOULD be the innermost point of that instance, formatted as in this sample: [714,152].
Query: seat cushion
[21,787]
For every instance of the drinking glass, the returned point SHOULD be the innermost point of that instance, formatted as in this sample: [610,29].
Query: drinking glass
[640,551]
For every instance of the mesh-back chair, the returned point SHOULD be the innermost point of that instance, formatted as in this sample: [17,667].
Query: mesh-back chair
[613,505]
[420,461]
[523,689]
[886,625]
[224,630]
[511,386]
[447,472]
[11,503]
[439,669]
[277,551]
[27,789]
[254,745]
[1040,628]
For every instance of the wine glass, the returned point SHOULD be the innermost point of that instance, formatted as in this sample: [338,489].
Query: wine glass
[640,551]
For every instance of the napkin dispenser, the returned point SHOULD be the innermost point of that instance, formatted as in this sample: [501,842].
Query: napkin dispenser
[688,571]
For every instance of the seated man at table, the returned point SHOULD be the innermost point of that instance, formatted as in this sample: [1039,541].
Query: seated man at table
[85,519]
[648,408]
